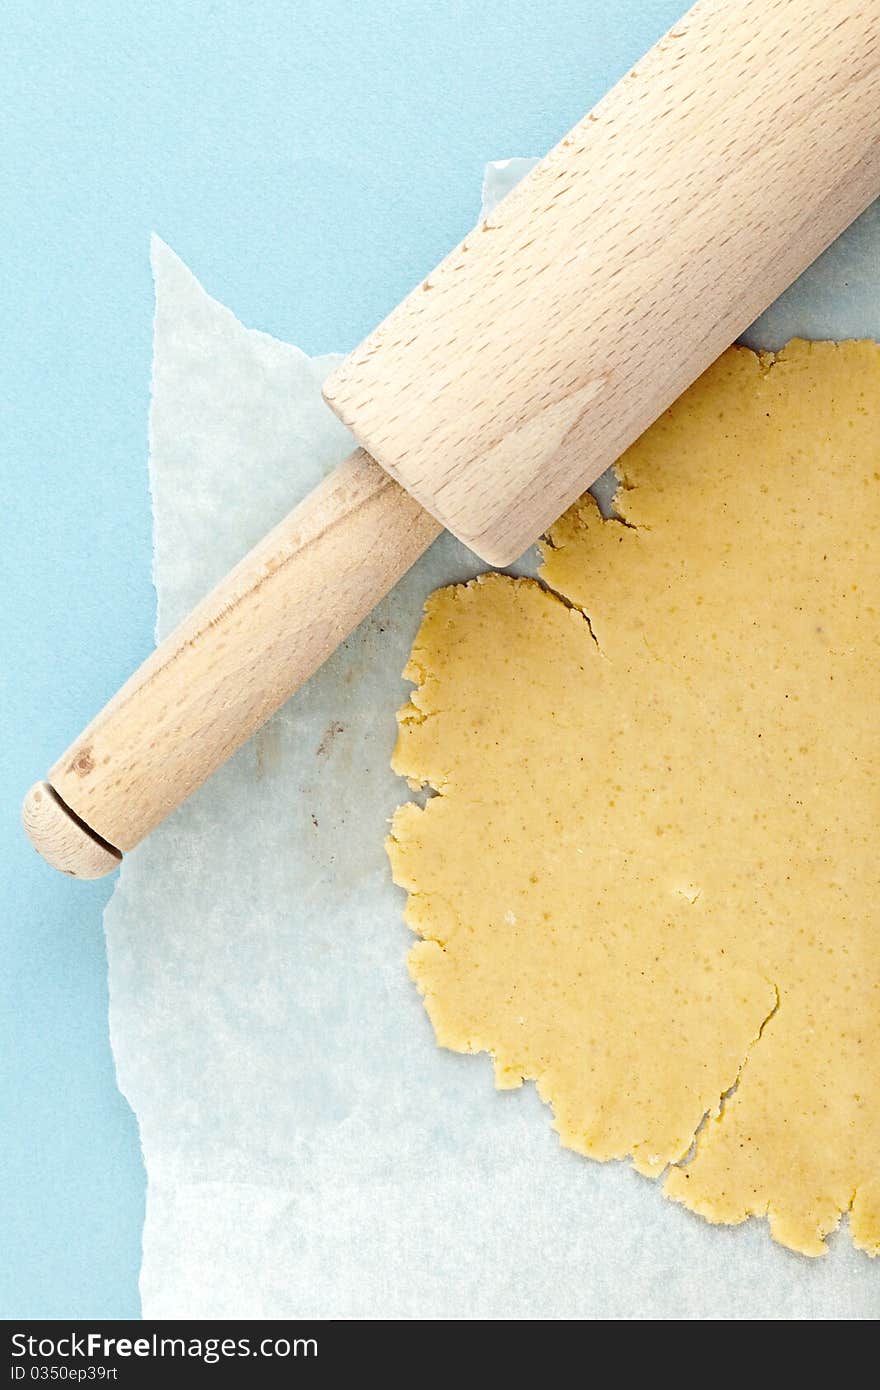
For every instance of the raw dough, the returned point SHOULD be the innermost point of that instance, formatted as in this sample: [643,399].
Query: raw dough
[649,880]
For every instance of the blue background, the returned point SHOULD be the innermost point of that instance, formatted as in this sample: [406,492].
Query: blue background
[310,161]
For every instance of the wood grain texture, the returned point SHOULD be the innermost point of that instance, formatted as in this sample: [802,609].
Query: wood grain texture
[607,281]
[253,641]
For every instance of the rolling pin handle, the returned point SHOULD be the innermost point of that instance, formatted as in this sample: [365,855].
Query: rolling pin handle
[226,668]
[65,841]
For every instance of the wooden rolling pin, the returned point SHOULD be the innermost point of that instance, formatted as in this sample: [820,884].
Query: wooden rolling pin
[600,288]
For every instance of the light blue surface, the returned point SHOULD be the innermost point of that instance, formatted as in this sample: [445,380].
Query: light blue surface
[310,161]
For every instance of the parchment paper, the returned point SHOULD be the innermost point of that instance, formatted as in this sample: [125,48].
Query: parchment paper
[309,1149]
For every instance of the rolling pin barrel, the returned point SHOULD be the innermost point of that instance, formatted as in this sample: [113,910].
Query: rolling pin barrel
[598,290]
[622,266]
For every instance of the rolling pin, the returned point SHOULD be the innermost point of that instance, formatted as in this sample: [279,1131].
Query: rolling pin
[546,342]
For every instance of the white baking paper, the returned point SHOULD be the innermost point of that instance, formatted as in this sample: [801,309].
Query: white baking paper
[310,1151]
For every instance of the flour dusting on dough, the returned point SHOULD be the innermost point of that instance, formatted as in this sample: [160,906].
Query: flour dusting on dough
[649,878]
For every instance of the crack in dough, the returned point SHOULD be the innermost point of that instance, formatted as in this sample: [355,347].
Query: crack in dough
[649,881]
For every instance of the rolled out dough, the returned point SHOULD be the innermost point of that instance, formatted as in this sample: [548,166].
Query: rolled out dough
[649,878]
